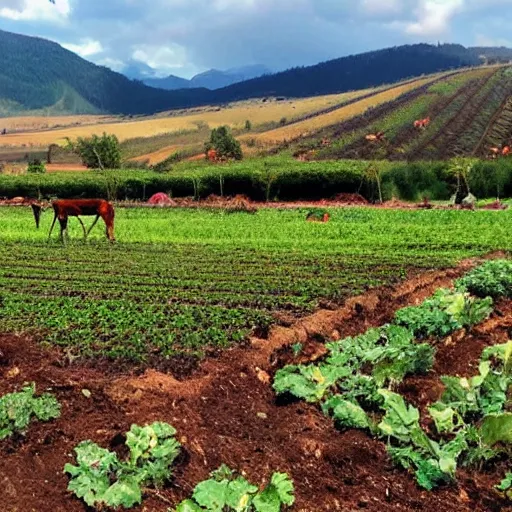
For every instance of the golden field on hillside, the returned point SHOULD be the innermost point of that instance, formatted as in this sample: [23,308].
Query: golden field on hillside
[234,115]
[313,124]
[39,123]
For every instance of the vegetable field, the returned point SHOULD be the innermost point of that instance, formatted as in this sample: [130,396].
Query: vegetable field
[467,113]
[222,361]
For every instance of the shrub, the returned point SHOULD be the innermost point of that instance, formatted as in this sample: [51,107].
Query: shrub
[224,144]
[98,152]
[36,167]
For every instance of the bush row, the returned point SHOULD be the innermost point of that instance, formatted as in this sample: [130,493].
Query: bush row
[273,178]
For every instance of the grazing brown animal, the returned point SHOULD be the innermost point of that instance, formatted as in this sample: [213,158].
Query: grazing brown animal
[65,208]
[422,123]
[375,137]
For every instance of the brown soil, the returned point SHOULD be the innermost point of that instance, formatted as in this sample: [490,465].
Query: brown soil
[226,412]
[496,205]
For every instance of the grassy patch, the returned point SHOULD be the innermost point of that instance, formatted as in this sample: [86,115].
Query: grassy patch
[180,281]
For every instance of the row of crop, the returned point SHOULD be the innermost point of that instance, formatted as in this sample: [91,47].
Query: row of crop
[348,131]
[354,383]
[427,140]
[283,179]
[474,120]
[399,121]
[498,133]
[123,302]
[102,479]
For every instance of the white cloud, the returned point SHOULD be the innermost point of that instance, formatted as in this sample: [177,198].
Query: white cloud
[482,40]
[86,48]
[380,7]
[28,10]
[114,64]
[163,58]
[434,17]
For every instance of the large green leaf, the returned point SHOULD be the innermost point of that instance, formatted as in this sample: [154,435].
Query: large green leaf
[211,495]
[125,492]
[497,428]
[400,418]
[239,494]
[189,506]
[445,418]
[347,414]
[308,382]
[284,487]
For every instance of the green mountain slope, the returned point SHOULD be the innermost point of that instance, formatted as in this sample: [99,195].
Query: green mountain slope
[36,74]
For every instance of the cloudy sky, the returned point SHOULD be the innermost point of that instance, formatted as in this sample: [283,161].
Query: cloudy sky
[183,37]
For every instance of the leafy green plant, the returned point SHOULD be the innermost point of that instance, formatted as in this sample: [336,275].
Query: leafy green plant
[101,479]
[17,410]
[443,313]
[228,492]
[492,279]
[470,399]
[346,413]
[433,462]
[388,354]
[506,486]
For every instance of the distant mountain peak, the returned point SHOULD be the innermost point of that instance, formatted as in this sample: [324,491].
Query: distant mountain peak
[211,79]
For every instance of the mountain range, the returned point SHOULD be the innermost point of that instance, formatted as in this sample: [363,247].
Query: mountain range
[211,79]
[37,75]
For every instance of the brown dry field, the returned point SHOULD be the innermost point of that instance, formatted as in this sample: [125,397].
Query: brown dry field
[38,123]
[157,156]
[234,115]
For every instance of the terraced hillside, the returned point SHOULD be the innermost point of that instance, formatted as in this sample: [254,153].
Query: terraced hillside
[470,113]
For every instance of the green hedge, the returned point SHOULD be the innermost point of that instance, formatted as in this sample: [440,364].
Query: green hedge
[278,178]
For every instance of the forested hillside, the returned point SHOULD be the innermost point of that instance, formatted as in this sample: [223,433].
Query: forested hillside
[363,70]
[35,73]
[38,74]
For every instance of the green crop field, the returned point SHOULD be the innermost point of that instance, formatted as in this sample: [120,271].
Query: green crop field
[185,280]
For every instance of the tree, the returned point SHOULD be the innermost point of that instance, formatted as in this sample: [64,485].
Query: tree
[224,144]
[461,169]
[98,152]
[248,125]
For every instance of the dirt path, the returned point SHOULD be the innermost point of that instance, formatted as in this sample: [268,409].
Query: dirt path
[226,412]
[156,156]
